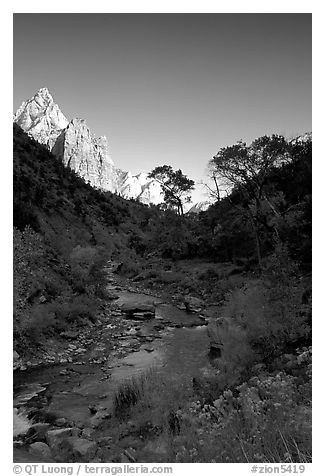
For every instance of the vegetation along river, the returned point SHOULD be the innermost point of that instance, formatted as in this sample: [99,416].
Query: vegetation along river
[174,344]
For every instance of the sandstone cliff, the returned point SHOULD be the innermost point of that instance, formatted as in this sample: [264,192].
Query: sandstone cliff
[73,143]
[41,118]
[88,156]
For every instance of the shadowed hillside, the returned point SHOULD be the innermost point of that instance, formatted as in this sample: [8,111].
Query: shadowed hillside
[64,232]
[242,268]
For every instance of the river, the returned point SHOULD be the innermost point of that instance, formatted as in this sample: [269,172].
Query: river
[174,343]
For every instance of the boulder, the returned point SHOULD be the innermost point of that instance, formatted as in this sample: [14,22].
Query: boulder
[37,432]
[111,295]
[143,316]
[116,313]
[88,433]
[18,443]
[82,450]
[71,335]
[159,327]
[123,459]
[105,441]
[93,408]
[193,304]
[100,415]
[149,349]
[138,310]
[40,449]
[55,437]
[60,422]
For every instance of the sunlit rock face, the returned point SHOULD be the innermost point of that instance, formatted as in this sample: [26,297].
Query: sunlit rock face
[73,143]
[87,155]
[199,207]
[41,118]
[151,192]
[139,187]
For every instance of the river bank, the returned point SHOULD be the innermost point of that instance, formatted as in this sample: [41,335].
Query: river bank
[71,398]
[140,385]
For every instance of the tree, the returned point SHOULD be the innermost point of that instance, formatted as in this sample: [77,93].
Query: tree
[215,192]
[175,185]
[246,168]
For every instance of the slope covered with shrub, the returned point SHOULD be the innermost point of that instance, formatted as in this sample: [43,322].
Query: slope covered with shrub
[255,406]
[64,231]
[255,403]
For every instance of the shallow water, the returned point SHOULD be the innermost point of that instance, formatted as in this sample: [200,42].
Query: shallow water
[180,352]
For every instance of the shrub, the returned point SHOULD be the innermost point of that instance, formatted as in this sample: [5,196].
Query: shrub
[127,395]
[130,268]
[28,254]
[267,419]
[40,322]
[268,314]
[53,288]
[168,277]
[152,398]
[78,310]
[208,273]
[150,274]
[88,270]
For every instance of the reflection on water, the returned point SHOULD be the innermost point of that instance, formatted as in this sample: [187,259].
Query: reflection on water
[21,423]
[137,362]
[25,392]
[179,352]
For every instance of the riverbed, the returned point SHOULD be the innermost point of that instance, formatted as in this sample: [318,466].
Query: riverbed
[174,343]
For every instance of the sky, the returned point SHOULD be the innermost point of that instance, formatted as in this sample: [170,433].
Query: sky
[170,88]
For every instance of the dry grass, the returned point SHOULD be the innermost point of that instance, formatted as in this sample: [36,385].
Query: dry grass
[152,398]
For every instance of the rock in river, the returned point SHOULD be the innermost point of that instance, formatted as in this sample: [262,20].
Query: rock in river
[71,335]
[138,310]
[55,437]
[193,304]
[82,450]
[37,432]
[40,449]
[111,295]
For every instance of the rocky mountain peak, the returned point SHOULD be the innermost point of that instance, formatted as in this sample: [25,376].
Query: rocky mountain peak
[41,118]
[44,95]
[74,144]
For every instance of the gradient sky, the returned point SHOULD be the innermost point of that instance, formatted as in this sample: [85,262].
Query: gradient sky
[170,88]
